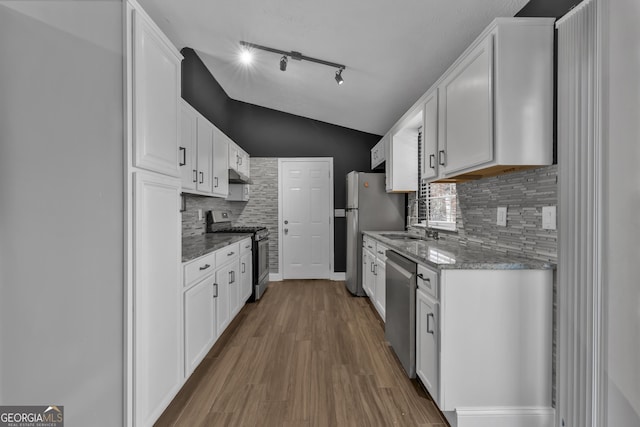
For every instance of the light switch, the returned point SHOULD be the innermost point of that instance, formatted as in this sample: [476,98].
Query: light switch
[502,216]
[549,217]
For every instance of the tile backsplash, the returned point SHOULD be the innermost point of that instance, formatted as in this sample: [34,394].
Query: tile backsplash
[524,194]
[261,209]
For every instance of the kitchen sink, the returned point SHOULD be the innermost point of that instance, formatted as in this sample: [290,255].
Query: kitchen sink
[404,237]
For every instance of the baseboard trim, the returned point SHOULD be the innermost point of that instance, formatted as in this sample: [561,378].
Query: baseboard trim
[506,417]
[275,277]
[339,276]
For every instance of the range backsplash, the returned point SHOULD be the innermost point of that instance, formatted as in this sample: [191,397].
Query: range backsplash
[524,194]
[261,209]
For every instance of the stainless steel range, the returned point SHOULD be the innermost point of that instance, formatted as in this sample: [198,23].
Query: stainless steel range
[260,256]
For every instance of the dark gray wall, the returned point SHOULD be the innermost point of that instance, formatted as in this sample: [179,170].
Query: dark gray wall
[264,132]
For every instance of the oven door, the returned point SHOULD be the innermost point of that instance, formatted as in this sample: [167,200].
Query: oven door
[262,267]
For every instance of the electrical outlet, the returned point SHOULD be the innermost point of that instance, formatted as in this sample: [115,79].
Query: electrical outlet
[502,216]
[199,214]
[549,217]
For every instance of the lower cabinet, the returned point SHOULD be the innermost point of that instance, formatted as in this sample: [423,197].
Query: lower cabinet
[223,298]
[199,322]
[374,260]
[246,276]
[427,348]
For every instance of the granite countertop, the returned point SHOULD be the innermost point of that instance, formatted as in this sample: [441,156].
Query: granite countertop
[449,255]
[197,246]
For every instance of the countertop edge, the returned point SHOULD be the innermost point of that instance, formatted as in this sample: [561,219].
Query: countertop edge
[517,262]
[207,248]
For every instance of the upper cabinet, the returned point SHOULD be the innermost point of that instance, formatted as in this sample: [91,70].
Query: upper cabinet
[429,140]
[491,112]
[401,166]
[239,160]
[496,102]
[378,153]
[155,77]
[202,154]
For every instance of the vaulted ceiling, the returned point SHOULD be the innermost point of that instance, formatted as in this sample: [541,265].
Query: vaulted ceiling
[393,50]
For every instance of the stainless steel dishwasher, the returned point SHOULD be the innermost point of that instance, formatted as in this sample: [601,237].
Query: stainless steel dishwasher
[400,322]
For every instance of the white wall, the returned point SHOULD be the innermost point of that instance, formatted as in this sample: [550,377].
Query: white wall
[622,210]
[61,208]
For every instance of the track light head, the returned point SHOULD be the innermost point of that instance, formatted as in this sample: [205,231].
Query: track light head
[283,63]
[339,78]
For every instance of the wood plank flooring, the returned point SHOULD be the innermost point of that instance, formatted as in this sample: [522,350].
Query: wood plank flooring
[307,354]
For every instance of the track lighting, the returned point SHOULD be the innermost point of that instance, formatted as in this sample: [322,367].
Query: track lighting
[284,60]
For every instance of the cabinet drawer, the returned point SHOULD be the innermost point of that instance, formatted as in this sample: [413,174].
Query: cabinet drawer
[199,268]
[428,281]
[227,253]
[381,252]
[369,243]
[245,246]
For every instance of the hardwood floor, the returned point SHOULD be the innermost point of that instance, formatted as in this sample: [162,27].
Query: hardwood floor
[307,354]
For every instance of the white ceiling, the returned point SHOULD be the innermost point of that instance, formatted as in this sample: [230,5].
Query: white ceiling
[393,50]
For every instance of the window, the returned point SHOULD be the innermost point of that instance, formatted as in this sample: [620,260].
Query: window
[437,203]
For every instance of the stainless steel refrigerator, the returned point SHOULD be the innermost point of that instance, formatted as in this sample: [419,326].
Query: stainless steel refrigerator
[369,208]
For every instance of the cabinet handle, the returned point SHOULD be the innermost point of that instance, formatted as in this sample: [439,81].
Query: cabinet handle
[246,190]
[375,269]
[215,178]
[239,160]
[201,177]
[204,267]
[441,157]
[230,253]
[424,279]
[216,294]
[230,277]
[243,268]
[381,253]
[429,330]
[195,175]
[371,268]
[432,158]
[184,156]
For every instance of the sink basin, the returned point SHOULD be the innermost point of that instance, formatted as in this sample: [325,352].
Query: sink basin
[405,237]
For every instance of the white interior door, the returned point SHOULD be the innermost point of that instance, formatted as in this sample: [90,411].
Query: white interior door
[306,227]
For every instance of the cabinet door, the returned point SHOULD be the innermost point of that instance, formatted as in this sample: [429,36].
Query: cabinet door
[157,294]
[427,348]
[243,162]
[430,137]
[199,323]
[234,288]
[205,155]
[220,164]
[246,277]
[233,156]
[381,286]
[370,278]
[223,308]
[188,146]
[466,112]
[156,95]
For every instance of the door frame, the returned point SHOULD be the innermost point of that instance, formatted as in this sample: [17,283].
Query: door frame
[331,243]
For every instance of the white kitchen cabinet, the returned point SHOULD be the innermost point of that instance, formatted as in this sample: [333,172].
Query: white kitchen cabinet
[157,296]
[200,330]
[467,111]
[427,346]
[378,153]
[429,166]
[239,193]
[220,164]
[380,270]
[489,327]
[188,146]
[246,270]
[224,298]
[496,102]
[401,166]
[244,163]
[205,155]
[233,155]
[155,76]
